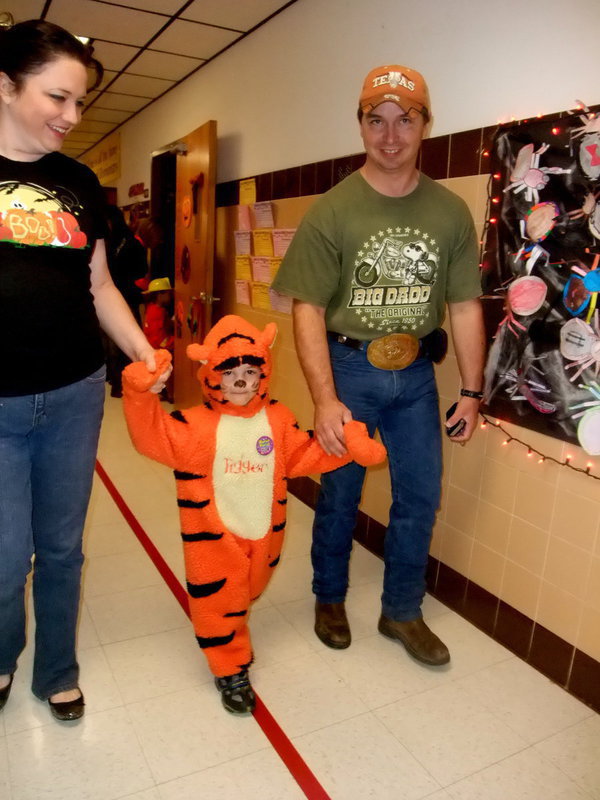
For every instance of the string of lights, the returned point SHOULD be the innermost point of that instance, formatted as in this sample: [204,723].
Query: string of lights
[532,452]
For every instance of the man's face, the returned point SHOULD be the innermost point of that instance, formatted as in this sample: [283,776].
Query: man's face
[392,137]
[240,384]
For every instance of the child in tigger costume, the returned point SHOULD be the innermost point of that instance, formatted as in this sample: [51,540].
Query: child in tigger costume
[232,458]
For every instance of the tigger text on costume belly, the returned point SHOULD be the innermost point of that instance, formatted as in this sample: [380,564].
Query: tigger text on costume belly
[243,474]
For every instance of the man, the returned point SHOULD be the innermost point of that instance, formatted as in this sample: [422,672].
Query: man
[372,267]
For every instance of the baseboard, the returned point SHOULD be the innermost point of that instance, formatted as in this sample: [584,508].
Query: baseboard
[558,660]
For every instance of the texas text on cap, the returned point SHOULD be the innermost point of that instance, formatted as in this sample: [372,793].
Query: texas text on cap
[393,82]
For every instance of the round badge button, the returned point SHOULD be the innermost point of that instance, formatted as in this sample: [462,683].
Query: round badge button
[264,445]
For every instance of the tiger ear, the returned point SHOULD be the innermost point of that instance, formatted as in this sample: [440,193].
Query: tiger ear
[198,352]
[269,334]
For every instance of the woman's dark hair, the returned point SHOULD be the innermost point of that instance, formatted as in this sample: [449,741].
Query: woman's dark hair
[27,47]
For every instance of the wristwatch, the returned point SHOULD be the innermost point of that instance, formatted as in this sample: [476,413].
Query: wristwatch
[469,393]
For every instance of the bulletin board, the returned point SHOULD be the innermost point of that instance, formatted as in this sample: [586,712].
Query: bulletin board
[541,276]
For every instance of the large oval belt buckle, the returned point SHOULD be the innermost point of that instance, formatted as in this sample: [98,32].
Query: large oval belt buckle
[395,351]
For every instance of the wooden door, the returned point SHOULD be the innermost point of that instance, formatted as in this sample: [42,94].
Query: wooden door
[194,253]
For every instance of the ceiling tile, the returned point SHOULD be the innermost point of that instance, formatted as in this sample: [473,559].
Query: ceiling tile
[23,9]
[106,115]
[140,85]
[105,21]
[82,136]
[113,56]
[166,65]
[192,39]
[231,13]
[121,102]
[161,6]
[94,126]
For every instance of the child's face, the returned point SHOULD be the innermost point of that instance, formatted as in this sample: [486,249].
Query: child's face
[163,298]
[240,384]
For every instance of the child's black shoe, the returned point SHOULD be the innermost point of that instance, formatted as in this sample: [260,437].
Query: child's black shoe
[236,693]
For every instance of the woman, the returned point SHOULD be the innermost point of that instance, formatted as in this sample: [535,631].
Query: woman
[55,295]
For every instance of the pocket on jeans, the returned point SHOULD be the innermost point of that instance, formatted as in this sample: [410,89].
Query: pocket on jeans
[341,352]
[99,376]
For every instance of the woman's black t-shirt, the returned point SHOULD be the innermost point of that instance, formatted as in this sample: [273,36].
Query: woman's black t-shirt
[51,214]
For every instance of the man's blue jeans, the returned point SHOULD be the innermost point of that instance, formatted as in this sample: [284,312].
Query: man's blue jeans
[48,445]
[403,405]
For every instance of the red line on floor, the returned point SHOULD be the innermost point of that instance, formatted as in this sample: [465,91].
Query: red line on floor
[280,742]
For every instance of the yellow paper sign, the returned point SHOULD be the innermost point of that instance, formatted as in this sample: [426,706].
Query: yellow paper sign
[105,159]
[260,296]
[243,270]
[262,242]
[248,192]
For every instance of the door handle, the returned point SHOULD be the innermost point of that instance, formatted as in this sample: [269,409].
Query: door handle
[206,298]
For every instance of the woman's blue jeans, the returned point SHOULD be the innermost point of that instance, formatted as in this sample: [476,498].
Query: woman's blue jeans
[403,405]
[48,445]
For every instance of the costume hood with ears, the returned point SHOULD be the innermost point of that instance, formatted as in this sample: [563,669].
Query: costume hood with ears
[231,342]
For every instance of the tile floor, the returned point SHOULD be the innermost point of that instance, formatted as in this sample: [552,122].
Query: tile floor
[369,722]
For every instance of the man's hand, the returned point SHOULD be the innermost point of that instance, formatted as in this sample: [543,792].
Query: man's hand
[330,417]
[467,408]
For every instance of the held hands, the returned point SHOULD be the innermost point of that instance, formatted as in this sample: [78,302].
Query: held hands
[364,450]
[330,418]
[151,374]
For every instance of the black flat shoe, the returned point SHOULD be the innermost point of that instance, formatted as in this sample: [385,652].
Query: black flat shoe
[72,709]
[5,692]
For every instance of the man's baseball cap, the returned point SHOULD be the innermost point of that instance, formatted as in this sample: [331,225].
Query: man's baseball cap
[397,84]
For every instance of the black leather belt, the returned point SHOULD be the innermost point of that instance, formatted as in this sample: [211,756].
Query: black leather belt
[433,346]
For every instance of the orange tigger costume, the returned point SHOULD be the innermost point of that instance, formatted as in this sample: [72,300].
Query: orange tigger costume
[231,466]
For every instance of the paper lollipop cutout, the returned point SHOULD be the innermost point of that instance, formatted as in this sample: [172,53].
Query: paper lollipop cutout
[588,429]
[524,297]
[527,175]
[580,344]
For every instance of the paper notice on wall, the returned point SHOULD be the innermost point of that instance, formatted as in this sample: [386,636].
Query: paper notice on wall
[260,296]
[274,264]
[244,223]
[263,214]
[261,269]
[280,302]
[281,240]
[243,243]
[262,242]
[243,271]
[242,292]
[248,192]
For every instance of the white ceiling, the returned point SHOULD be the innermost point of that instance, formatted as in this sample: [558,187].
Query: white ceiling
[146,47]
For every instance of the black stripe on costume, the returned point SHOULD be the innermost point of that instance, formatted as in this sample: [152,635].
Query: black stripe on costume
[186,476]
[236,614]
[192,503]
[282,502]
[179,416]
[197,590]
[275,562]
[277,528]
[201,536]
[214,641]
[235,335]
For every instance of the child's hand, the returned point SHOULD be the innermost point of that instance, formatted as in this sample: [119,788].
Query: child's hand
[364,450]
[137,376]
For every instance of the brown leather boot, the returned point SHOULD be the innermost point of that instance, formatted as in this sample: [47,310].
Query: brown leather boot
[331,625]
[419,640]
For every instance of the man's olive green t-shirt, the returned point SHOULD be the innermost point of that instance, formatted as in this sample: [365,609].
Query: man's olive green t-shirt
[381,264]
